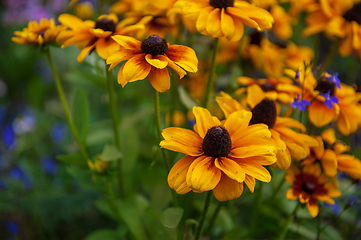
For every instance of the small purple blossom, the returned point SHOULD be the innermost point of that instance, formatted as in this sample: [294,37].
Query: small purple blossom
[297,75]
[49,165]
[334,78]
[329,100]
[300,103]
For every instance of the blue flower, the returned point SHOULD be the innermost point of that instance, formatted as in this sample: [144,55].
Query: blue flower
[335,207]
[12,227]
[49,165]
[297,75]
[300,103]
[58,132]
[8,136]
[18,174]
[334,78]
[329,100]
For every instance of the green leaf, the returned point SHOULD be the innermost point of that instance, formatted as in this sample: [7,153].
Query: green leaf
[110,153]
[74,159]
[171,217]
[187,101]
[81,114]
[103,234]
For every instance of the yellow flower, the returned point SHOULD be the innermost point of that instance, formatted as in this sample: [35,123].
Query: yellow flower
[219,156]
[282,26]
[98,165]
[151,58]
[345,162]
[337,19]
[225,18]
[310,186]
[288,142]
[38,33]
[350,109]
[88,34]
[82,9]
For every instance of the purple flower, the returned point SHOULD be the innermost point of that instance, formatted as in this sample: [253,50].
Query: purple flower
[8,136]
[334,78]
[329,100]
[335,207]
[12,227]
[297,76]
[300,103]
[18,174]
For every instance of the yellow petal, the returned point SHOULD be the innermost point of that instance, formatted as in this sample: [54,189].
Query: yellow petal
[230,168]
[227,25]
[178,173]
[255,170]
[312,207]
[329,162]
[204,121]
[204,175]
[182,140]
[320,114]
[250,182]
[158,61]
[290,194]
[159,78]
[213,25]
[106,47]
[227,189]
[237,121]
[136,68]
[183,56]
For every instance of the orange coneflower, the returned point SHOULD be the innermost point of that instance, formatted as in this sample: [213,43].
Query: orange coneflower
[151,58]
[219,156]
[88,34]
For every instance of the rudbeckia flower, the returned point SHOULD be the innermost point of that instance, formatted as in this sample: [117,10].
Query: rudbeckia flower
[225,18]
[310,186]
[219,156]
[84,9]
[89,35]
[337,18]
[151,58]
[288,142]
[38,33]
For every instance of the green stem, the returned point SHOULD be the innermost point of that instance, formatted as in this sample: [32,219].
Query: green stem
[256,209]
[160,138]
[214,217]
[203,216]
[211,74]
[288,222]
[278,189]
[330,56]
[113,203]
[319,223]
[65,105]
[113,110]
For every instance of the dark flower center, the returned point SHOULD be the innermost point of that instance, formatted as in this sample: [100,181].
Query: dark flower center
[326,145]
[323,86]
[267,87]
[264,112]
[217,142]
[154,45]
[106,24]
[309,187]
[354,14]
[221,3]
[256,38]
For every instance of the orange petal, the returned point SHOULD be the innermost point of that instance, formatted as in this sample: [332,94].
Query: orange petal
[329,162]
[178,173]
[237,121]
[203,175]
[204,121]
[250,182]
[136,69]
[159,78]
[312,207]
[84,52]
[183,56]
[227,189]
[213,26]
[290,194]
[227,25]
[182,140]
[230,168]
[158,61]
[255,170]
[320,114]
[105,47]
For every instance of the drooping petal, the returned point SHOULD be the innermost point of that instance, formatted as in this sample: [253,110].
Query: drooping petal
[182,140]
[178,173]
[250,182]
[227,25]
[329,162]
[158,61]
[227,189]
[202,20]
[320,114]
[312,207]
[136,68]
[230,168]
[183,56]
[203,175]
[159,78]
[255,170]
[84,52]
[106,47]
[213,25]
